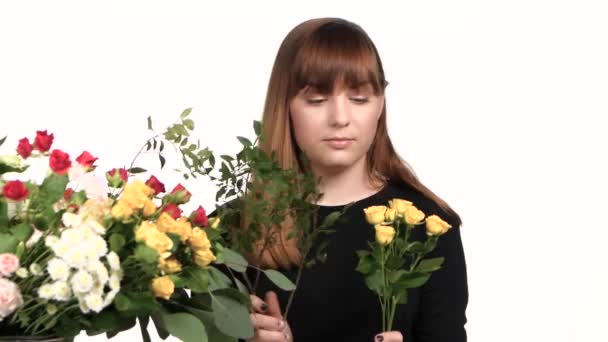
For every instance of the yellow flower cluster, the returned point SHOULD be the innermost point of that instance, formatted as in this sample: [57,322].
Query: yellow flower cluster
[382,216]
[201,247]
[136,196]
[181,226]
[162,287]
[149,233]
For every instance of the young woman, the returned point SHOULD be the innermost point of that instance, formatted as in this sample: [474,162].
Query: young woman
[326,98]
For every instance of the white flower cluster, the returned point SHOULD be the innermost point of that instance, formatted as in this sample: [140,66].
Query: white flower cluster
[82,267]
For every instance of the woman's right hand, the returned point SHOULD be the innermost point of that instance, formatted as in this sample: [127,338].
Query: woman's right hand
[268,322]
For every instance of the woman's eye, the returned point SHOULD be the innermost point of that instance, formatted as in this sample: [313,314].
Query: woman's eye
[315,100]
[360,100]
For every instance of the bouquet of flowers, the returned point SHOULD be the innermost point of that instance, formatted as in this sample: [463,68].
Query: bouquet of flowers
[82,251]
[394,263]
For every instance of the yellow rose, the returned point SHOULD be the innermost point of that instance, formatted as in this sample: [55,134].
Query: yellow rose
[138,187]
[121,211]
[203,257]
[375,214]
[435,226]
[149,207]
[133,200]
[170,265]
[399,205]
[199,240]
[389,215]
[162,287]
[184,228]
[152,237]
[385,234]
[413,215]
[214,222]
[166,223]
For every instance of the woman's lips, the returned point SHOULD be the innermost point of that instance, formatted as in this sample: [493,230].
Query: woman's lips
[339,143]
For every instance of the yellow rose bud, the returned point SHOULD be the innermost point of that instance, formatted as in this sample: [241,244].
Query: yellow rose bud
[184,228]
[138,187]
[203,257]
[385,234]
[399,205]
[375,214]
[121,211]
[149,207]
[162,287]
[435,226]
[413,215]
[390,214]
[214,222]
[199,240]
[170,265]
[166,223]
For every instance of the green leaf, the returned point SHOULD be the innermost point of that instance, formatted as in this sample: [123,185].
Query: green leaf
[22,231]
[8,243]
[246,142]
[137,170]
[162,160]
[430,265]
[186,327]
[52,189]
[162,146]
[117,241]
[11,163]
[408,280]
[233,260]
[280,280]
[149,122]
[375,281]
[416,247]
[161,328]
[3,140]
[197,279]
[366,264]
[241,286]
[232,317]
[185,113]
[257,127]
[143,327]
[213,333]
[330,219]
[395,262]
[3,215]
[218,279]
[146,254]
[189,124]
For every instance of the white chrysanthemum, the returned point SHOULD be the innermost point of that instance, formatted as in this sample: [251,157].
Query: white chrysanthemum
[97,246]
[22,272]
[51,240]
[95,227]
[61,248]
[98,269]
[35,269]
[113,261]
[58,269]
[82,281]
[76,257]
[83,305]
[46,291]
[94,302]
[62,291]
[71,220]
[73,236]
[110,297]
[114,282]
[87,232]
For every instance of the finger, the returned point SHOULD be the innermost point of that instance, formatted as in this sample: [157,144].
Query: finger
[391,336]
[258,304]
[274,309]
[265,322]
[269,336]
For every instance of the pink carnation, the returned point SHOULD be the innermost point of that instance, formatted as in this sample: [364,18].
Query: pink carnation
[10,298]
[9,263]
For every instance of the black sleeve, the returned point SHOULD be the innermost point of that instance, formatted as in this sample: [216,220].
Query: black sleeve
[444,298]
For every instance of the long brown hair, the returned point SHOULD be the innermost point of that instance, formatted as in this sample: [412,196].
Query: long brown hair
[317,53]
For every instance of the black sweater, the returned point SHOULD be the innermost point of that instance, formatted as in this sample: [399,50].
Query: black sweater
[332,302]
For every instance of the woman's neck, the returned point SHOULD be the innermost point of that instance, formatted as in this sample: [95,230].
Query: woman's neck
[346,186]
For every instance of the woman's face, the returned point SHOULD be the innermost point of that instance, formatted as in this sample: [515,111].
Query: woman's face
[335,130]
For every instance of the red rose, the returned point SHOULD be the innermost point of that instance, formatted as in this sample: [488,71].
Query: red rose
[115,179]
[67,195]
[199,217]
[15,190]
[155,184]
[43,141]
[86,159]
[181,195]
[24,148]
[122,173]
[60,162]
[173,210]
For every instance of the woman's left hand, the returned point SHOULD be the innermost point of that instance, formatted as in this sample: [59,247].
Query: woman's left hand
[389,336]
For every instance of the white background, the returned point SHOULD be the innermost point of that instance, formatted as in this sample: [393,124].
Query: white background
[500,107]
